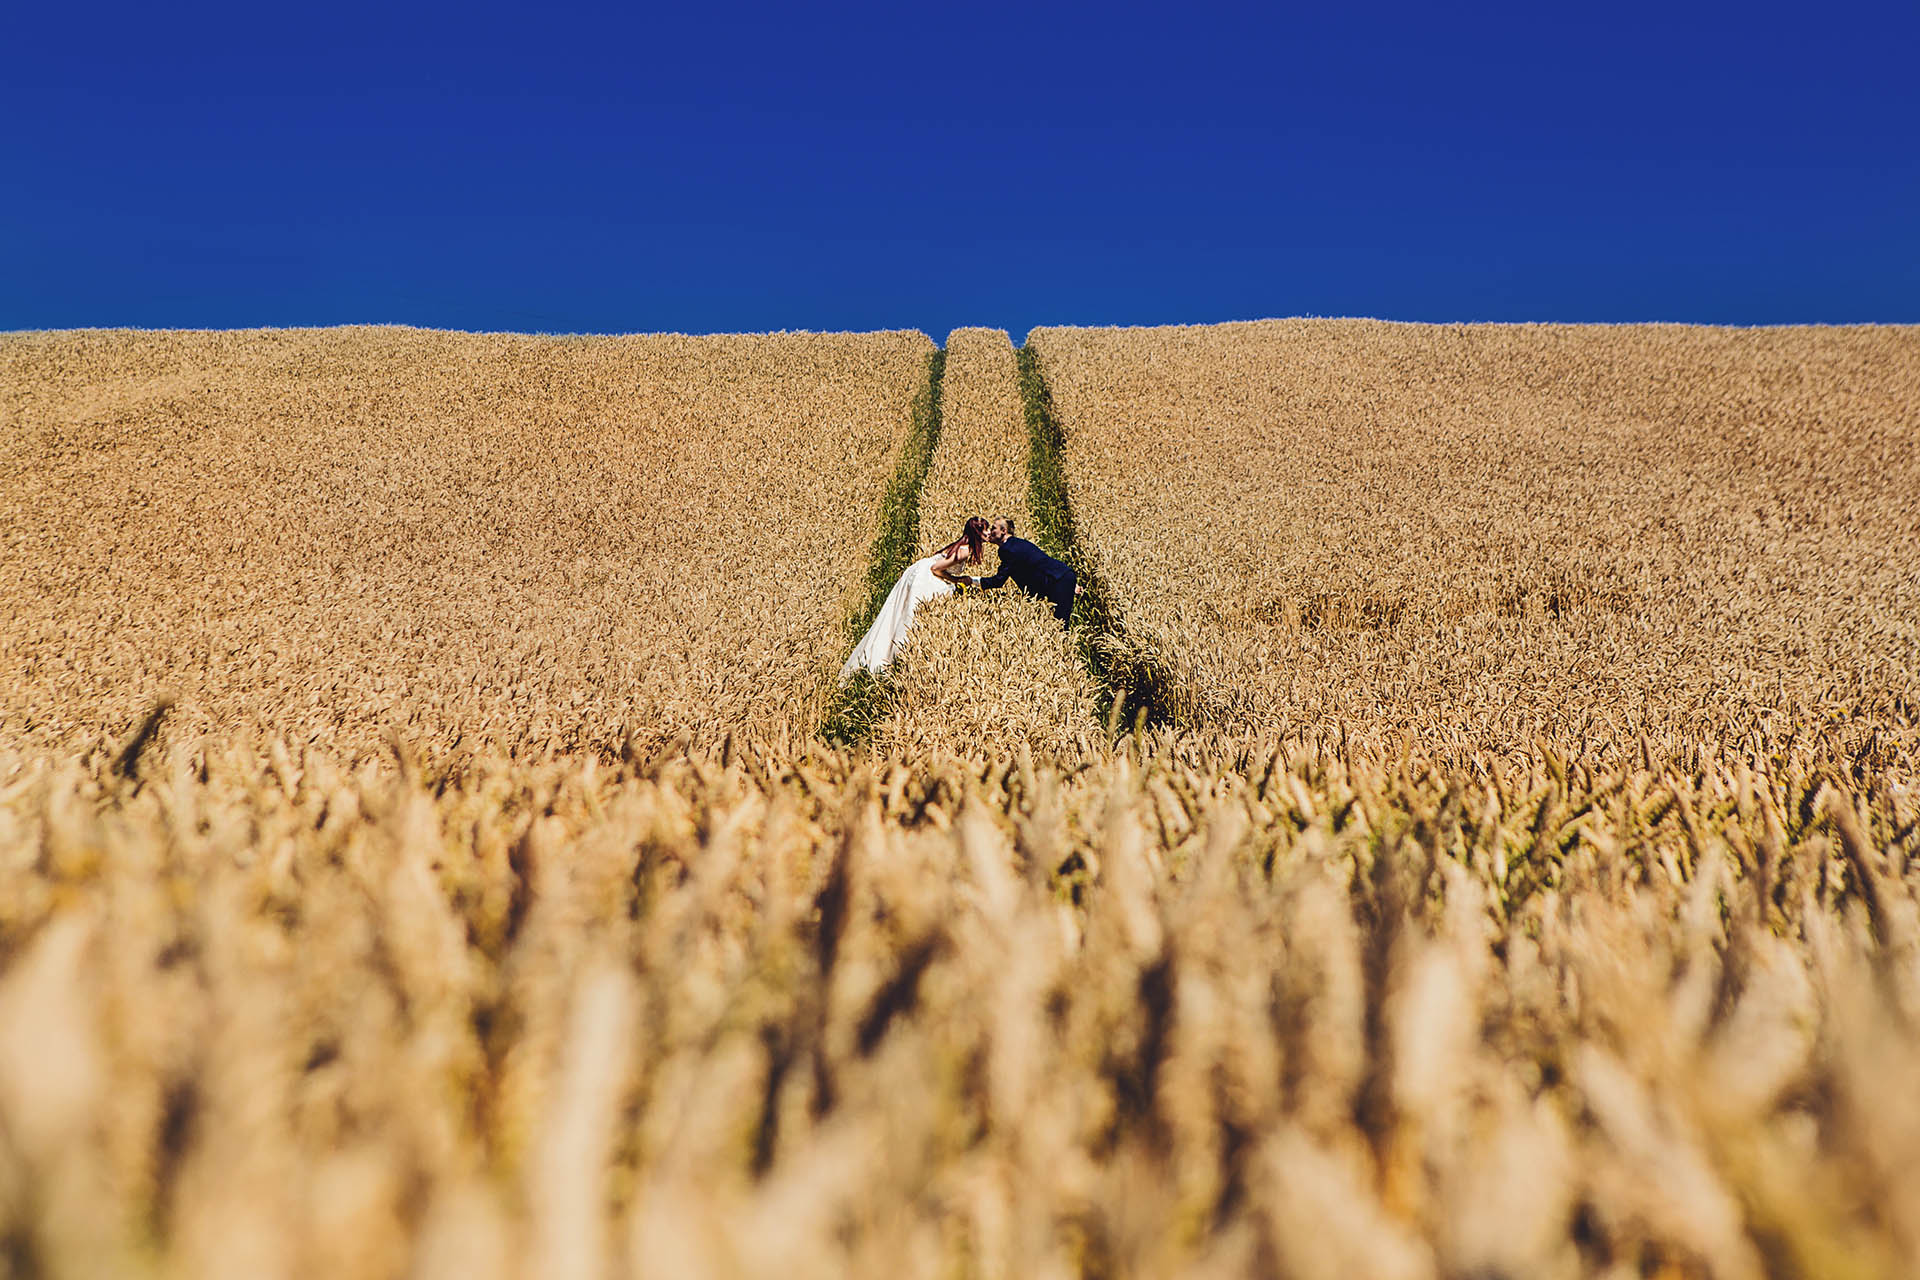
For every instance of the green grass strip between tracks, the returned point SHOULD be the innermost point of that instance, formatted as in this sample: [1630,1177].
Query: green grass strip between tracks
[858,704]
[1134,687]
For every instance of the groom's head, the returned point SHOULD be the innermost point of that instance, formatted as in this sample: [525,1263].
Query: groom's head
[1000,530]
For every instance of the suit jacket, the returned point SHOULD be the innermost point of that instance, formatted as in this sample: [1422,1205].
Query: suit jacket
[1032,570]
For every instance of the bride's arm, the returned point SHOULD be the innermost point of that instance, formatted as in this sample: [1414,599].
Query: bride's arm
[942,567]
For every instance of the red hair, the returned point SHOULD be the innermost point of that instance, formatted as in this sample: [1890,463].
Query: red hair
[974,536]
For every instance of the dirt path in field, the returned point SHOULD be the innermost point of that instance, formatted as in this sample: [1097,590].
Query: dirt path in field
[993,667]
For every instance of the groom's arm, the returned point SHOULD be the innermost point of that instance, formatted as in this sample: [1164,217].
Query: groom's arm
[1008,554]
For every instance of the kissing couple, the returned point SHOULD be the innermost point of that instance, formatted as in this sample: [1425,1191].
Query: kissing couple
[1027,566]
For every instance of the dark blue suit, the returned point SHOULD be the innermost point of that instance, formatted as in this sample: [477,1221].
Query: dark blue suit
[1037,573]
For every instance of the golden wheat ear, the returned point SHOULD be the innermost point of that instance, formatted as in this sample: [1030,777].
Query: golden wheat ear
[127,762]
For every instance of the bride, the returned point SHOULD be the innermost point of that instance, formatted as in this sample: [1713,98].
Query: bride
[924,580]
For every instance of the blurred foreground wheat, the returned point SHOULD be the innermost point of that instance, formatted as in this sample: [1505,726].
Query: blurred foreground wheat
[1184,1012]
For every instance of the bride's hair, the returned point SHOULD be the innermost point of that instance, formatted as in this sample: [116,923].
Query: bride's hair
[974,536]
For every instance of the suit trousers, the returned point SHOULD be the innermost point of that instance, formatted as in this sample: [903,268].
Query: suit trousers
[1062,598]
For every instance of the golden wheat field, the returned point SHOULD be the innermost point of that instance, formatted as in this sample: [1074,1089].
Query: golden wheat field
[1483,535]
[529,542]
[1187,1014]
[1512,873]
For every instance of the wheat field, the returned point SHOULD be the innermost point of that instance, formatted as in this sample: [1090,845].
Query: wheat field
[1180,1013]
[1486,535]
[1518,873]
[530,543]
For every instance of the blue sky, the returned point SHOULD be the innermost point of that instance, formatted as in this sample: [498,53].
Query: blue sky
[725,168]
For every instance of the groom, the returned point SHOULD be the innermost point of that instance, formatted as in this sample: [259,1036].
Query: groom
[1032,570]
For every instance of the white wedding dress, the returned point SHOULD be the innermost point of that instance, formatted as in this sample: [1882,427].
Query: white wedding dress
[889,630]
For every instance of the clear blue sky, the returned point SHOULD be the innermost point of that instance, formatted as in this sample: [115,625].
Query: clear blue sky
[714,168]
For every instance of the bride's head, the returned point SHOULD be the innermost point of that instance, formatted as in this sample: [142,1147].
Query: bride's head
[973,538]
